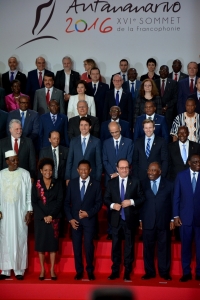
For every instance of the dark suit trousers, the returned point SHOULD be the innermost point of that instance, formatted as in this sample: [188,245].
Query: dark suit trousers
[164,251]
[128,247]
[88,232]
[187,233]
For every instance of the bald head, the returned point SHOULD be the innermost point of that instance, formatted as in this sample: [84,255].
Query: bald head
[40,63]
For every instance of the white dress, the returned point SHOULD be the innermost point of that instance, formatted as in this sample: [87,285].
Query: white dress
[15,201]
[72,106]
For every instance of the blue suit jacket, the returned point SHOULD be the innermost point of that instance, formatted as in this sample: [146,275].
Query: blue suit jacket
[125,130]
[183,93]
[110,158]
[3,122]
[161,128]
[31,124]
[46,126]
[186,205]
[92,153]
[126,88]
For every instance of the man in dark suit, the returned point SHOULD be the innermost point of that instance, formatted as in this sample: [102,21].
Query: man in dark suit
[156,221]
[180,151]
[3,123]
[45,95]
[98,90]
[23,146]
[53,121]
[196,96]
[123,65]
[187,86]
[148,149]
[29,119]
[168,92]
[66,80]
[119,98]
[2,99]
[35,78]
[177,75]
[12,74]
[132,85]
[186,211]
[83,201]
[84,146]
[123,197]
[73,126]
[161,128]
[115,113]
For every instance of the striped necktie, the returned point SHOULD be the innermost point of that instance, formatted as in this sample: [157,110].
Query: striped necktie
[148,148]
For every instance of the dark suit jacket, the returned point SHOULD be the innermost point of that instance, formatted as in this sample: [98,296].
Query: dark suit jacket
[125,130]
[31,124]
[26,154]
[161,128]
[60,81]
[3,122]
[183,93]
[33,84]
[110,158]
[157,209]
[194,96]
[46,126]
[145,76]
[159,153]
[181,77]
[73,126]
[63,153]
[176,163]
[133,191]
[186,205]
[126,88]
[92,153]
[91,203]
[2,99]
[6,82]
[126,105]
[99,97]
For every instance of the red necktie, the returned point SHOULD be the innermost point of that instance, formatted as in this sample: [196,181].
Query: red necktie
[16,146]
[40,79]
[176,77]
[162,88]
[191,86]
[48,97]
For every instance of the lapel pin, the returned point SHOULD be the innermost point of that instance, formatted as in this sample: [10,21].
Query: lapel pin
[90,183]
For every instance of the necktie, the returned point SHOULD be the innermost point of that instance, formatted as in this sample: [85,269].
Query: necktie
[154,188]
[184,154]
[53,119]
[83,146]
[16,146]
[22,120]
[191,86]
[12,76]
[150,118]
[117,98]
[122,194]
[162,88]
[132,90]
[94,88]
[148,148]
[116,147]
[194,182]
[40,79]
[176,77]
[124,77]
[55,164]
[48,97]
[83,190]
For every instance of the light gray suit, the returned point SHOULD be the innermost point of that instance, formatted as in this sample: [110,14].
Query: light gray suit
[40,104]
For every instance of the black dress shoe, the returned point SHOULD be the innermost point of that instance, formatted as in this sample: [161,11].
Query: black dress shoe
[2,277]
[19,277]
[166,277]
[197,277]
[109,237]
[185,278]
[147,276]
[53,277]
[113,276]
[78,276]
[41,278]
[127,276]
[91,276]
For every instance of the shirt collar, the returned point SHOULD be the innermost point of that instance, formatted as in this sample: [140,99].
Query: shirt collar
[150,137]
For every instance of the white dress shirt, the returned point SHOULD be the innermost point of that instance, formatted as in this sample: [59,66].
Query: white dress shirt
[87,180]
[120,93]
[151,141]
[13,142]
[38,73]
[67,79]
[125,185]
[50,91]
[86,139]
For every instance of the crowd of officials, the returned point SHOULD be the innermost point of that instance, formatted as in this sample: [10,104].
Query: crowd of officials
[66,138]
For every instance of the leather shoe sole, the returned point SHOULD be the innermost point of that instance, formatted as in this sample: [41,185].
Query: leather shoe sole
[166,277]
[185,278]
[113,276]
[91,276]
[127,277]
[78,276]
[19,277]
[3,277]
[147,276]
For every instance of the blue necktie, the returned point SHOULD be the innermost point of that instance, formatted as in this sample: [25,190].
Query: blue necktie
[154,188]
[148,148]
[122,195]
[55,164]
[94,88]
[184,154]
[83,190]
[117,98]
[194,182]
[116,147]
[132,90]
[53,119]
[124,77]
[22,120]
[12,76]
[83,146]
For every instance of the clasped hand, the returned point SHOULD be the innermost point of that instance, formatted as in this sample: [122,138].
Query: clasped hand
[124,204]
[48,219]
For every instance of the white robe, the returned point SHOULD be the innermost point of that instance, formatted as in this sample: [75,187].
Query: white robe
[15,201]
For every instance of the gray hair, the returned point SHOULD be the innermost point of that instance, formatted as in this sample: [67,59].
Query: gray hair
[114,123]
[83,102]
[67,57]
[14,121]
